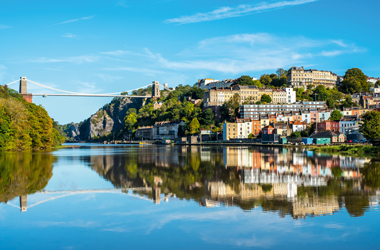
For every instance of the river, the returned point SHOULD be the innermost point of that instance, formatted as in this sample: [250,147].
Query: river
[178,197]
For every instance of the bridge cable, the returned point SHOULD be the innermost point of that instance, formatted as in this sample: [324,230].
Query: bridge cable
[84,93]
[12,82]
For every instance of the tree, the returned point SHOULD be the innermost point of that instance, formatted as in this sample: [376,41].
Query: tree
[244,80]
[194,126]
[265,79]
[257,83]
[295,134]
[281,73]
[336,115]
[354,81]
[251,136]
[266,98]
[130,119]
[330,102]
[230,109]
[208,117]
[351,86]
[377,84]
[322,93]
[370,126]
[348,103]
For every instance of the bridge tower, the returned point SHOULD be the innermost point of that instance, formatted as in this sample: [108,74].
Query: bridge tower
[156,194]
[24,90]
[23,202]
[155,90]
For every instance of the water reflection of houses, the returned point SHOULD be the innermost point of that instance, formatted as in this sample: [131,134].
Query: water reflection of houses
[314,206]
[314,169]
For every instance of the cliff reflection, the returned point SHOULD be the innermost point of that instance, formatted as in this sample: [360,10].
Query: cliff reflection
[22,174]
[294,182]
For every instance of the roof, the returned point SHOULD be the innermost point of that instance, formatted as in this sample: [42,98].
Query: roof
[268,127]
[323,134]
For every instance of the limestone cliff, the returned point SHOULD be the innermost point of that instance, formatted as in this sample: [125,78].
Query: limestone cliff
[108,119]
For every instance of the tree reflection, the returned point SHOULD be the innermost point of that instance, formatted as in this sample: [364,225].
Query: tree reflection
[23,174]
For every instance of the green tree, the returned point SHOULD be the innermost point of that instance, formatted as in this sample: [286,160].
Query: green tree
[322,93]
[244,80]
[208,117]
[351,86]
[257,83]
[251,136]
[230,109]
[194,126]
[295,134]
[265,79]
[336,115]
[330,102]
[281,73]
[130,120]
[266,98]
[348,103]
[354,81]
[370,125]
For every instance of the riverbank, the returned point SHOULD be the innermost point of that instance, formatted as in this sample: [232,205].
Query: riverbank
[357,150]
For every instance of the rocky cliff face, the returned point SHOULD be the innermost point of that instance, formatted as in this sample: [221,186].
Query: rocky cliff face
[108,119]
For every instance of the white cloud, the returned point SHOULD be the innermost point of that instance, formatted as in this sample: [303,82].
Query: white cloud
[241,10]
[122,3]
[75,20]
[88,87]
[146,71]
[69,35]
[250,52]
[76,59]
[2,26]
[234,54]
[109,78]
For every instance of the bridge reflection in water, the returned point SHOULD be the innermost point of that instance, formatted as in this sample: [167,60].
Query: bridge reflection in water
[285,181]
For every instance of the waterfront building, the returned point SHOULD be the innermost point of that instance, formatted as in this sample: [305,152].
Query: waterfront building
[144,133]
[256,126]
[347,124]
[240,129]
[300,77]
[328,125]
[167,129]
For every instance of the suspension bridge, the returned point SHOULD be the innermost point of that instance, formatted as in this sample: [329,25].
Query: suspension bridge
[65,193]
[23,90]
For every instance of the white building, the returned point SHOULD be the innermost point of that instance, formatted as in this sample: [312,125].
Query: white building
[240,129]
[298,126]
[209,83]
[375,89]
[166,130]
[290,95]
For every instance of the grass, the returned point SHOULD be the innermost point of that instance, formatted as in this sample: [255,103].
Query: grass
[362,150]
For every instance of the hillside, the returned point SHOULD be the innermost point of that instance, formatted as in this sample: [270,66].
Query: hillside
[123,115]
[23,125]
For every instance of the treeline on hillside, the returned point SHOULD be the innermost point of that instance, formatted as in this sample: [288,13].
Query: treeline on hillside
[175,107]
[23,125]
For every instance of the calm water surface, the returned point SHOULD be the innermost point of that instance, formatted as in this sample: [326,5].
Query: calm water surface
[168,197]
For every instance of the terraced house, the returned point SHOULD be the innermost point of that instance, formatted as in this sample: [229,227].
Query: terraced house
[300,77]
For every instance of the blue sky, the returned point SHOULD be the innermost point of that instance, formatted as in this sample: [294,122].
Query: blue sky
[110,46]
